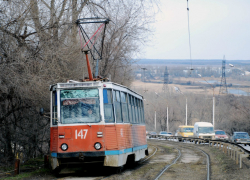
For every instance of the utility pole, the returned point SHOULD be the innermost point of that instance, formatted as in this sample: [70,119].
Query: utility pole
[144,69]
[223,85]
[167,120]
[186,111]
[155,120]
[213,97]
[166,81]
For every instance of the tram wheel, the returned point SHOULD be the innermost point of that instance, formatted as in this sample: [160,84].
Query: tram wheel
[57,171]
[119,169]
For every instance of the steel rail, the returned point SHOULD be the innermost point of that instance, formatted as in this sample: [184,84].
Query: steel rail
[191,146]
[208,163]
[149,156]
[142,161]
[169,165]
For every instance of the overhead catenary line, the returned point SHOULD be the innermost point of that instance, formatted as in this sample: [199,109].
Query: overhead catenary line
[190,54]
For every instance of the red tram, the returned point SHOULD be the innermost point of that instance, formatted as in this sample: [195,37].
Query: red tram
[96,121]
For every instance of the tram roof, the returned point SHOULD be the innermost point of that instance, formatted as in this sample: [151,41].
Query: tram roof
[76,84]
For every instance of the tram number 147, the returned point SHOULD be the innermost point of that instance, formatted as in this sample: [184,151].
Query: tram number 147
[81,134]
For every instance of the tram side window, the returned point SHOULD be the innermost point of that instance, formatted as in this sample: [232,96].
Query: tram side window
[124,107]
[118,111]
[142,111]
[130,109]
[139,110]
[135,110]
[54,108]
[108,106]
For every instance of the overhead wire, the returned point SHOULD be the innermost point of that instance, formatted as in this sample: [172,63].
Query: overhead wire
[190,54]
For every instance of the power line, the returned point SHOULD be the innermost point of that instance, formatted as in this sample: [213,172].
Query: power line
[190,54]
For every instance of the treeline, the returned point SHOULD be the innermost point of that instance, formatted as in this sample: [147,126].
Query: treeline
[232,113]
[39,46]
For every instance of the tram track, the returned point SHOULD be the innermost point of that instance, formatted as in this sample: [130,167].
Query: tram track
[145,159]
[168,159]
[140,163]
[182,146]
[167,166]
[154,162]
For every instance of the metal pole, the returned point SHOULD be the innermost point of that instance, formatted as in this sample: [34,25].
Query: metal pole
[96,68]
[155,120]
[88,65]
[167,120]
[213,111]
[17,166]
[186,111]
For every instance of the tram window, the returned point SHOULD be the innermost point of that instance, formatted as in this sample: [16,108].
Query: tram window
[142,112]
[54,108]
[80,106]
[135,110]
[139,110]
[123,97]
[108,106]
[118,107]
[130,109]
[124,107]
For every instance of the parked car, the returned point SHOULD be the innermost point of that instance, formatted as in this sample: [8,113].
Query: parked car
[240,137]
[164,133]
[220,135]
[150,134]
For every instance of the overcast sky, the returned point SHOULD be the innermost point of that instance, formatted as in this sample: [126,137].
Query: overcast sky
[217,28]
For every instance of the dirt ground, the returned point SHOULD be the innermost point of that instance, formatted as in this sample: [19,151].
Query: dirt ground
[222,166]
[191,165]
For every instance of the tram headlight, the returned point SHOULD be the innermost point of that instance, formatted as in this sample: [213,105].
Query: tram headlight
[64,147]
[98,146]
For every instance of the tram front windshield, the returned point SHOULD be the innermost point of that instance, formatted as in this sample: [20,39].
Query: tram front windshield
[79,106]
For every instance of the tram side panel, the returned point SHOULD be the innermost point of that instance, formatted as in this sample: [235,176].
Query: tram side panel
[53,139]
[111,137]
[129,139]
[139,141]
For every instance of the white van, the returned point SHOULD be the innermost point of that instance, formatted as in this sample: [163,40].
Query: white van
[204,130]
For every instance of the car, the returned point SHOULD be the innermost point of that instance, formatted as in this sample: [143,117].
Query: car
[240,137]
[185,131]
[204,130]
[152,134]
[220,135]
[164,133]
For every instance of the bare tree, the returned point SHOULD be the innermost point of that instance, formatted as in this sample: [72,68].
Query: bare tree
[39,46]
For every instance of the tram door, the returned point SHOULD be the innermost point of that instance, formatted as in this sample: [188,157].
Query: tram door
[54,123]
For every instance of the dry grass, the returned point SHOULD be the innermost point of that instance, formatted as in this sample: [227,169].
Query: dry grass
[157,87]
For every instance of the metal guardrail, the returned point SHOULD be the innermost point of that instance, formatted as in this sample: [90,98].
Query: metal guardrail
[234,150]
